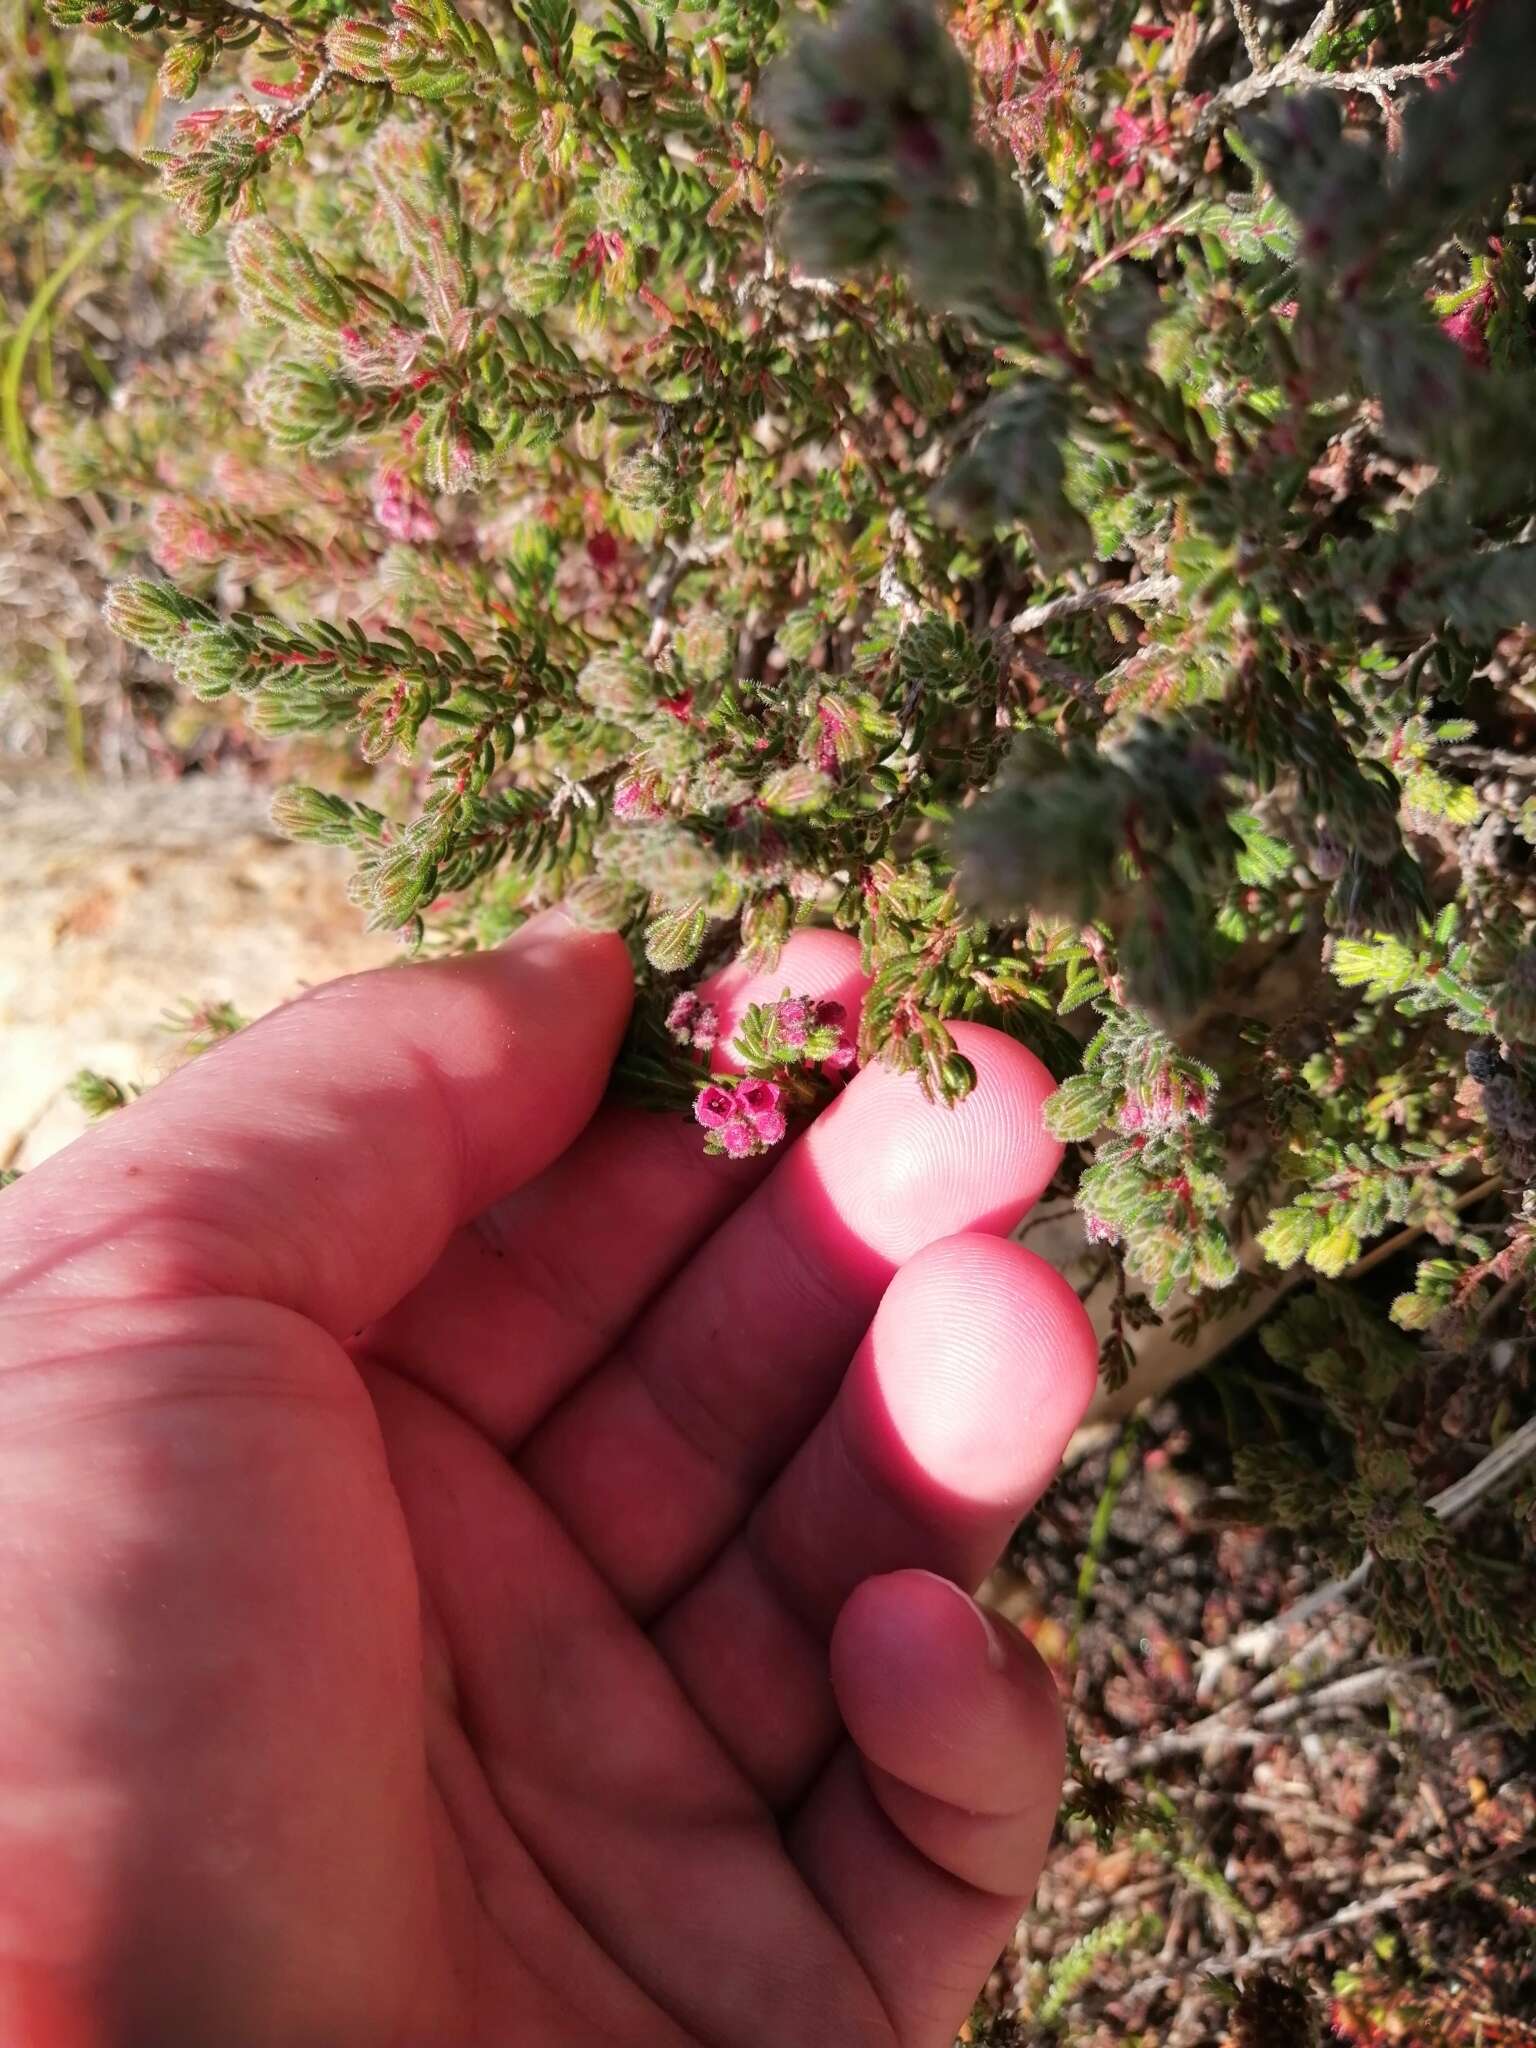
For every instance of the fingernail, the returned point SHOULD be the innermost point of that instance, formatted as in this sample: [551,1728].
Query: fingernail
[997,1655]
[548,925]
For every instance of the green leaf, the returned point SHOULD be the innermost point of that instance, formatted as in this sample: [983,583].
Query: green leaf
[1079,1107]
[1334,1251]
[672,941]
[1289,1235]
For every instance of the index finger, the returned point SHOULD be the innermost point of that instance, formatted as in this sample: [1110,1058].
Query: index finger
[321,1159]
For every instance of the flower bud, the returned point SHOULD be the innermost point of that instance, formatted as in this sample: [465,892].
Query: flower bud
[153,616]
[360,49]
[299,812]
[181,69]
[672,941]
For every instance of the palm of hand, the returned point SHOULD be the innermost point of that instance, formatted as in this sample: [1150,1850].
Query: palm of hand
[553,1654]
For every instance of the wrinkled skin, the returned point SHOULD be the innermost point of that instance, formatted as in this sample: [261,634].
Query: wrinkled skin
[475,1571]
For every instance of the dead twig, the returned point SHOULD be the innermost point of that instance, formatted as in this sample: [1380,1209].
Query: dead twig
[1257,1645]
[1248,28]
[1151,590]
[1360,1689]
[1294,73]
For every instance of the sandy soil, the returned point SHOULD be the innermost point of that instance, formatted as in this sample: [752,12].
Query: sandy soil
[126,900]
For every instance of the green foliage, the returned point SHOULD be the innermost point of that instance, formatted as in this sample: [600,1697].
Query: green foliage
[1155,1183]
[1462,1599]
[1135,834]
[997,478]
[1071,1971]
[98,1094]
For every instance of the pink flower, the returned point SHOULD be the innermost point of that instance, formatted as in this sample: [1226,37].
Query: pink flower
[744,1120]
[692,1021]
[400,508]
[180,538]
[459,464]
[195,128]
[635,797]
[794,1015]
[759,1100]
[1197,1103]
[1467,327]
[1166,1102]
[831,1016]
[381,355]
[599,250]
[715,1109]
[833,731]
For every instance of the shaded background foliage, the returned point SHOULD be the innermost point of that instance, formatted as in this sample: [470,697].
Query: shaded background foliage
[1044,484]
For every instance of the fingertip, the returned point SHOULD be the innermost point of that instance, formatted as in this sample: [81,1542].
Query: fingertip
[552,940]
[904,1170]
[945,1698]
[1012,1085]
[980,1363]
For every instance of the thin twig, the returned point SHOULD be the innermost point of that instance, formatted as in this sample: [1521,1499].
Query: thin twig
[1491,757]
[1248,28]
[1389,1247]
[1379,81]
[1359,1689]
[290,117]
[1257,1645]
[1216,1734]
[1296,1810]
[270,22]
[1294,72]
[1211,1737]
[1159,231]
[1151,590]
[1293,1671]
[1326,19]
[1490,1472]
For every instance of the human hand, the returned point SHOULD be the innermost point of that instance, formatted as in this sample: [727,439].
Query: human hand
[455,1588]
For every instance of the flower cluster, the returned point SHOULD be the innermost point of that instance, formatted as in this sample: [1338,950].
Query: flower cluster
[799,1031]
[1155,1183]
[742,1120]
[694,1022]
[791,1050]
